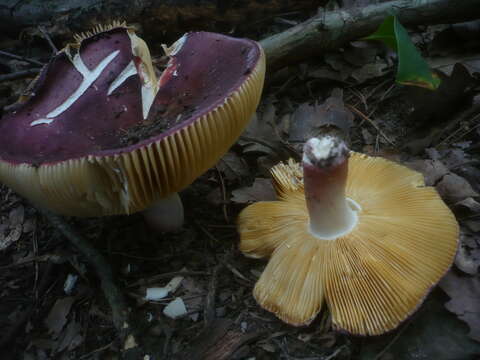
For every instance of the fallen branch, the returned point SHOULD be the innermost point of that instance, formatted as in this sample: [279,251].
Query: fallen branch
[331,30]
[115,298]
[210,308]
[164,18]
[21,58]
[20,74]
[19,326]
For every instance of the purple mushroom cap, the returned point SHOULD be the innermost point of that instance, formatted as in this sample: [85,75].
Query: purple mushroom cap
[97,108]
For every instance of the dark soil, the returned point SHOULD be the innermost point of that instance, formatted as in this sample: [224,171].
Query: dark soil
[160,120]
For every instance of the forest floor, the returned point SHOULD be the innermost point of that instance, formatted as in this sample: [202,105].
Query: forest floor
[52,305]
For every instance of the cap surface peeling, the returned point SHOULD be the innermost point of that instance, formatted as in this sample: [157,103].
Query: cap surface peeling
[99,107]
[372,278]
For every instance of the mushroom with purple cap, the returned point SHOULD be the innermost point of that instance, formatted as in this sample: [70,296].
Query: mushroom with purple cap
[361,234]
[99,134]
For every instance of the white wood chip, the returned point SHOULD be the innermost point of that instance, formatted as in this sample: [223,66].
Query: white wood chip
[175,309]
[156,293]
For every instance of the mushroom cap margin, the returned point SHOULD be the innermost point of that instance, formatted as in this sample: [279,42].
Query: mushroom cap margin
[371,279]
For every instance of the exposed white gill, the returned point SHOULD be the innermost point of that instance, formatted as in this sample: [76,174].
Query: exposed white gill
[89,77]
[325,167]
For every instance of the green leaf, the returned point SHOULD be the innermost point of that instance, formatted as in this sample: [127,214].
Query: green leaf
[412,69]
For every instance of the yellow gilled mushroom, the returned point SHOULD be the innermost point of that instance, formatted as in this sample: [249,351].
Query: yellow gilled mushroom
[361,234]
[100,135]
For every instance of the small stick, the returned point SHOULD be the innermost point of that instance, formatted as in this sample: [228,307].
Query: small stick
[365,117]
[155,278]
[27,314]
[114,296]
[103,348]
[209,310]
[19,74]
[22,58]
[395,338]
[48,38]
[35,253]
[224,195]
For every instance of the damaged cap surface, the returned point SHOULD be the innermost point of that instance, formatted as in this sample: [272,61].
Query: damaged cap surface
[99,134]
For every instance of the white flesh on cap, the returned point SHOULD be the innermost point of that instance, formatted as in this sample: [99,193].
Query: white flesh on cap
[332,214]
[166,214]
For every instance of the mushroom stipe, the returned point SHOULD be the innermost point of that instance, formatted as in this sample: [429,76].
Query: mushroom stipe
[373,275]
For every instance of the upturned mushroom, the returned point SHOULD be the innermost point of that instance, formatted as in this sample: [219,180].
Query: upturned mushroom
[361,234]
[99,134]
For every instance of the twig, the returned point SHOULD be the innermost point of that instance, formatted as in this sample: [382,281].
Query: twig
[236,272]
[335,353]
[155,278]
[103,348]
[221,226]
[453,134]
[115,298]
[275,146]
[468,115]
[48,38]
[395,338]
[27,314]
[206,232]
[370,121]
[209,310]
[19,74]
[35,253]
[22,58]
[224,195]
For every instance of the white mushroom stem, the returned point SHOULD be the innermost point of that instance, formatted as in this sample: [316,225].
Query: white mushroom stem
[325,171]
[166,214]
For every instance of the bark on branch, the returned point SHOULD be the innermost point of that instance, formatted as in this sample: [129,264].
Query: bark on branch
[330,30]
[156,17]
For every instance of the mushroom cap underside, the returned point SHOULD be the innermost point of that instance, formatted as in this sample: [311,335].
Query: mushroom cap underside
[370,279]
[68,146]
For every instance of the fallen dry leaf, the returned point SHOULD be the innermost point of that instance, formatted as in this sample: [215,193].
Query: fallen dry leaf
[470,204]
[326,73]
[432,170]
[15,219]
[468,254]
[261,190]
[360,53]
[311,120]
[338,63]
[433,107]
[464,292]
[57,318]
[71,337]
[262,127]
[473,225]
[233,167]
[453,158]
[453,188]
[369,71]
